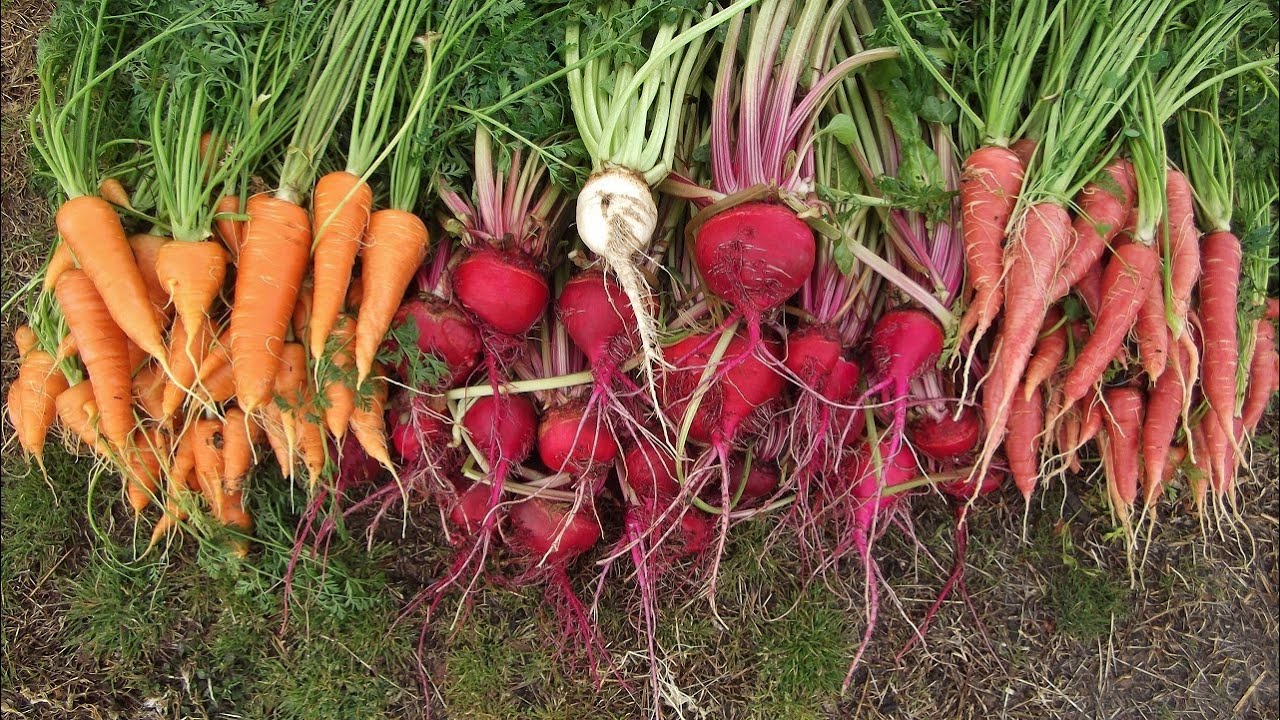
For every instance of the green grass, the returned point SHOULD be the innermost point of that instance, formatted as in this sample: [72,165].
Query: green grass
[40,517]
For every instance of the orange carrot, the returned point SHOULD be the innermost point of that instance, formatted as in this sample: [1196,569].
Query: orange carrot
[148,390]
[146,251]
[395,245]
[1022,446]
[290,379]
[1128,275]
[219,387]
[184,357]
[218,355]
[24,338]
[342,203]
[238,437]
[112,190]
[42,383]
[1122,430]
[989,187]
[207,450]
[311,443]
[355,293]
[229,230]
[1050,350]
[340,396]
[66,349]
[142,468]
[77,412]
[14,402]
[192,273]
[1104,205]
[60,261]
[301,318]
[103,350]
[1153,331]
[273,260]
[1184,247]
[1219,293]
[369,427]
[273,425]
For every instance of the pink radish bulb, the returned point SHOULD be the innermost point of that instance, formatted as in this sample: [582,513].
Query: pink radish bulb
[748,385]
[598,317]
[649,471]
[948,437]
[444,331]
[503,289]
[569,441]
[755,255]
[904,343]
[866,478]
[551,530]
[815,355]
[502,427]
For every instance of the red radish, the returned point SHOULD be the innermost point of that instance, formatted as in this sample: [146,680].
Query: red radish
[960,492]
[417,429]
[760,482]
[989,186]
[815,355]
[442,330]
[574,441]
[649,471]
[1022,445]
[1219,294]
[904,343]
[469,511]
[948,437]
[730,400]
[503,289]
[502,427]
[599,318]
[755,256]
[552,533]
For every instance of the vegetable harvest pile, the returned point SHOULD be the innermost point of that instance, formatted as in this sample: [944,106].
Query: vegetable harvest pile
[825,260]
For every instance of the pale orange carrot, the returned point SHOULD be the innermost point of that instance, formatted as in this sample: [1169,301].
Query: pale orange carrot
[60,261]
[369,427]
[78,412]
[112,190]
[184,357]
[142,468]
[148,390]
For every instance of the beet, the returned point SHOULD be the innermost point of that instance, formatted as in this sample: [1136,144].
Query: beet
[948,437]
[963,489]
[598,317]
[468,510]
[761,482]
[504,290]
[745,387]
[816,356]
[895,469]
[755,255]
[355,467]
[415,428]
[444,331]
[502,427]
[536,523]
[569,442]
[904,343]
[650,472]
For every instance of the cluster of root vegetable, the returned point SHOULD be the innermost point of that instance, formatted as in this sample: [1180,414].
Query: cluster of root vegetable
[783,296]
